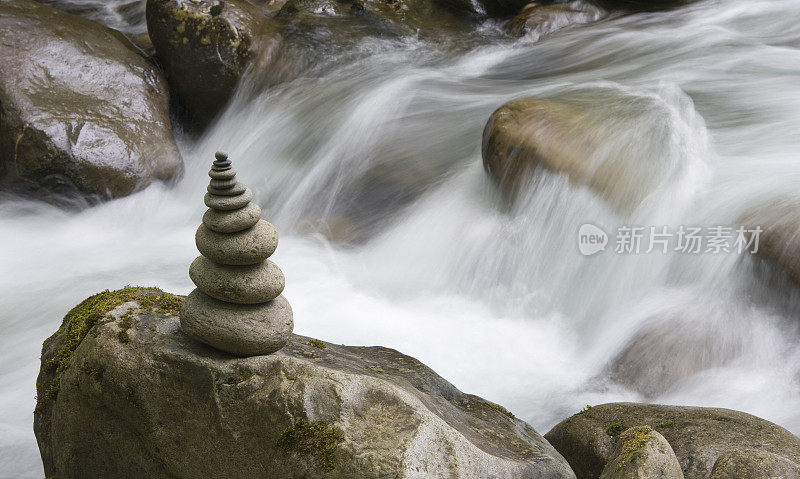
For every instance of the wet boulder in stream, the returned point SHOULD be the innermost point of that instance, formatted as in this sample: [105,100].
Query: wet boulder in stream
[595,137]
[207,46]
[94,127]
[538,21]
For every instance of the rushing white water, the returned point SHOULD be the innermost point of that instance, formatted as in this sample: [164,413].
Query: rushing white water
[702,105]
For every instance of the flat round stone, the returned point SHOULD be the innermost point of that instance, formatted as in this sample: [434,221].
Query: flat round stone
[236,189]
[257,283]
[250,246]
[222,184]
[244,330]
[222,175]
[232,221]
[227,203]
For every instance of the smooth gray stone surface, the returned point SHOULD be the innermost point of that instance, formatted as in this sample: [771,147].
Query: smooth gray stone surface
[223,184]
[244,330]
[227,203]
[236,189]
[222,175]
[250,246]
[234,220]
[251,284]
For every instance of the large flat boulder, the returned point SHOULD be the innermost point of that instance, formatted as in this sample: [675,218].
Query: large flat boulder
[699,436]
[96,126]
[120,375]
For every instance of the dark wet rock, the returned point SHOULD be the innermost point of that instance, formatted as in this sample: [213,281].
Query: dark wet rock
[179,408]
[206,46]
[538,21]
[699,436]
[96,126]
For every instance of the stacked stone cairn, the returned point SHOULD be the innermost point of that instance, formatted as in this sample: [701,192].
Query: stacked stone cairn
[237,306]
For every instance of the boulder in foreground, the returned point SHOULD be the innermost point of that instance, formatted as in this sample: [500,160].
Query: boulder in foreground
[95,127]
[123,392]
[699,436]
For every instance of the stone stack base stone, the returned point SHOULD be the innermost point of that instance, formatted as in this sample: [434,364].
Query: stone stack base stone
[237,306]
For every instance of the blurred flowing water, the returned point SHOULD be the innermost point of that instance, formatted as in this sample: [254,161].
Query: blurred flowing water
[393,234]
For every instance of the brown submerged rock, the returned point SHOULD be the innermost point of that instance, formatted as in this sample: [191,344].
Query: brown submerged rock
[95,127]
[667,350]
[538,21]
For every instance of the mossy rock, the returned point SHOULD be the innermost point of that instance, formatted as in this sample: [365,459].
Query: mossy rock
[179,408]
[642,453]
[95,129]
[698,436]
[207,46]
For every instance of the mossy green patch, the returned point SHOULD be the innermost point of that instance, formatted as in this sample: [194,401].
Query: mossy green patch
[316,343]
[500,408]
[82,318]
[316,439]
[615,429]
[633,440]
[95,372]
[669,423]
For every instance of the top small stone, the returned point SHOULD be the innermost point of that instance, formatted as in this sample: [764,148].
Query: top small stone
[222,162]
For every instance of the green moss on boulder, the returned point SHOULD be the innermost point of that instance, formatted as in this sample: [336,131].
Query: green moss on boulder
[179,408]
[698,436]
[316,439]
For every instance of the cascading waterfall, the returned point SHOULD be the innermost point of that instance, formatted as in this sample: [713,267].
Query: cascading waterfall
[393,234]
